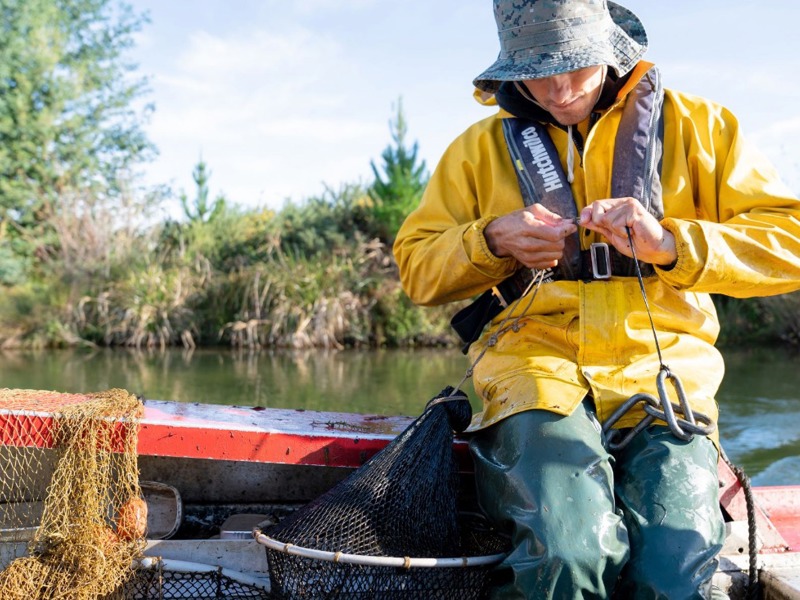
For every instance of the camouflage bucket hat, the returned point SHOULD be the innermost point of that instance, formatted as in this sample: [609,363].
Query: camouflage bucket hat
[540,38]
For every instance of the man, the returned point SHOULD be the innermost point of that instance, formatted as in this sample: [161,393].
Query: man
[587,154]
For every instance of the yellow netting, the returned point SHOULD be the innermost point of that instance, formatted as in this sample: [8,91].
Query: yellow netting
[71,513]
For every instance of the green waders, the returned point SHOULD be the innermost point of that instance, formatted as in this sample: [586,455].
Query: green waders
[642,523]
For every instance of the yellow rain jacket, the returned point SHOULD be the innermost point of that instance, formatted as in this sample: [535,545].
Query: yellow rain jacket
[737,229]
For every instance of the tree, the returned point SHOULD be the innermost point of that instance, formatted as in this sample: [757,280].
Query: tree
[202,209]
[67,122]
[398,191]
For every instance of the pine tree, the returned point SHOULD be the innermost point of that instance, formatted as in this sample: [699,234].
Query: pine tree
[399,189]
[202,209]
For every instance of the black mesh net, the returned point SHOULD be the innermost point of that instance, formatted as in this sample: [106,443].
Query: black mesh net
[160,583]
[403,502]
[368,582]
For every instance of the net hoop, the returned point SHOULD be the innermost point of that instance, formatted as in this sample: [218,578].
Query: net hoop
[378,561]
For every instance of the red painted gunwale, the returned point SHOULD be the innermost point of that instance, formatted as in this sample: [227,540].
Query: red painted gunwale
[272,435]
[217,432]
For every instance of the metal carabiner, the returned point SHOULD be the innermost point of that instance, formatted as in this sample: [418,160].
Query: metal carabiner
[611,435]
[666,405]
[693,423]
[660,408]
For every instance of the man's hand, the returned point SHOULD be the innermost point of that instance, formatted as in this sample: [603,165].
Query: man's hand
[653,243]
[533,235]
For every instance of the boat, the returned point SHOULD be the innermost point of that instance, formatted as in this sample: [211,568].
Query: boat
[213,475]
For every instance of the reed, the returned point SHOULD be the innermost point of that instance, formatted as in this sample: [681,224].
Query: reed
[312,275]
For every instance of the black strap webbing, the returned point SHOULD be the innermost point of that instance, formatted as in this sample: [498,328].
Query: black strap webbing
[542,180]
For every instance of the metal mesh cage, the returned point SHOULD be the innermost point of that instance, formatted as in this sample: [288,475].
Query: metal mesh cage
[174,580]
[330,580]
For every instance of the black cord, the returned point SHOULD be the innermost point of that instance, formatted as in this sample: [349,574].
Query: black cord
[644,295]
[753,587]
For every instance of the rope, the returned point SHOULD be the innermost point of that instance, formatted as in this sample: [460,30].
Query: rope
[536,282]
[753,587]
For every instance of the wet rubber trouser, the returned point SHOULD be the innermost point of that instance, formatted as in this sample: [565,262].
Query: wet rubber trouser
[644,523]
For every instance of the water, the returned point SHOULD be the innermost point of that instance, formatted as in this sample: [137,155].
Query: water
[759,399]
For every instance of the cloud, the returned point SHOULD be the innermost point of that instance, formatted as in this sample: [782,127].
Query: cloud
[321,130]
[306,7]
[258,60]
[257,53]
[263,99]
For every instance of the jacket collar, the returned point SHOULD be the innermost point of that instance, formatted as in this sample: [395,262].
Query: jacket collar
[513,102]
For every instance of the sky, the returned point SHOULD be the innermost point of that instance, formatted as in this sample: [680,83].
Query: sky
[285,99]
